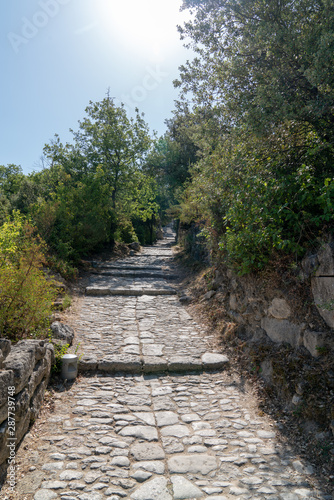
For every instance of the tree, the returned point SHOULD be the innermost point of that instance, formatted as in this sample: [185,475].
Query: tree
[263,61]
[261,89]
[109,139]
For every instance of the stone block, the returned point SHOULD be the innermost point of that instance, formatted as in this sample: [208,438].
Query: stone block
[323,287]
[88,363]
[22,402]
[192,464]
[3,441]
[267,371]
[184,363]
[6,380]
[94,291]
[5,347]
[120,363]
[38,347]
[233,302]
[153,364]
[314,340]
[281,331]
[214,361]
[37,399]
[41,370]
[22,425]
[21,362]
[279,309]
[209,295]
[62,332]
[50,347]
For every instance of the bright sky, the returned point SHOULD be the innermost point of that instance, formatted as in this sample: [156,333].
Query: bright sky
[57,55]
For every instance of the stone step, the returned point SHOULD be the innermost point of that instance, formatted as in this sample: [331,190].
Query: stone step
[137,274]
[128,267]
[128,363]
[94,291]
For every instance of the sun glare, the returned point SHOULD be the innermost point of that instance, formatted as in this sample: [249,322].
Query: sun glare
[147,27]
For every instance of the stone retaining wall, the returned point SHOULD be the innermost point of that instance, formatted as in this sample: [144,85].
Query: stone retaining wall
[267,310]
[25,369]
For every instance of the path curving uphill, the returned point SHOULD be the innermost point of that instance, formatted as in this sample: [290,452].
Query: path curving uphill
[157,413]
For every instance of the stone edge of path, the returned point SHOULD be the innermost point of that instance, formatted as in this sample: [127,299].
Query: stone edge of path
[137,292]
[151,364]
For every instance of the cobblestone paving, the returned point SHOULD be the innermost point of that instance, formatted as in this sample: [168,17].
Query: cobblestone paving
[187,433]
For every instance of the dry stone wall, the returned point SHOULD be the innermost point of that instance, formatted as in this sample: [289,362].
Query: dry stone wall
[270,311]
[279,324]
[24,374]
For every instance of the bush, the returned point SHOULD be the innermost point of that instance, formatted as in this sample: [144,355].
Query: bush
[26,295]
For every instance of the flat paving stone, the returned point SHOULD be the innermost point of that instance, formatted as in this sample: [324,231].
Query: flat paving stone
[153,490]
[184,489]
[193,464]
[147,451]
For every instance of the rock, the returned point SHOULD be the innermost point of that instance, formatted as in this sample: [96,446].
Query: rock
[178,431]
[280,331]
[279,309]
[6,380]
[70,475]
[323,287]
[120,461]
[45,495]
[5,347]
[332,426]
[96,291]
[152,350]
[209,295]
[153,364]
[153,490]
[309,265]
[185,299]
[120,363]
[135,246]
[296,400]
[193,464]
[313,341]
[184,489]
[214,361]
[267,371]
[140,476]
[233,302]
[151,466]
[141,432]
[146,451]
[166,418]
[88,363]
[62,332]
[21,363]
[184,363]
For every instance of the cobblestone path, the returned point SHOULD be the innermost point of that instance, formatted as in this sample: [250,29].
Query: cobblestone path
[168,427]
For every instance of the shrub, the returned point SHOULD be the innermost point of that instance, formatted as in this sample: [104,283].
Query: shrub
[26,295]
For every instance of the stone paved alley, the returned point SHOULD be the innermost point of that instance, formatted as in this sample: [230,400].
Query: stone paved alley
[157,414]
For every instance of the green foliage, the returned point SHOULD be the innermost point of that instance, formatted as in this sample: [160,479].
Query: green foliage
[26,296]
[263,123]
[60,351]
